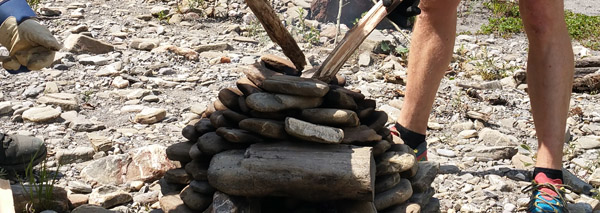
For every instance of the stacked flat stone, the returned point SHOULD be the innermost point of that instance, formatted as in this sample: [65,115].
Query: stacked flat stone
[281,143]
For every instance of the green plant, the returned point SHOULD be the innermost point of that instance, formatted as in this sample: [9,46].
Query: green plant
[356,20]
[506,21]
[39,190]
[310,34]
[162,15]
[34,4]
[3,173]
[489,70]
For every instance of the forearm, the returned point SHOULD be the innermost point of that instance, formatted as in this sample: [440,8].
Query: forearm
[15,8]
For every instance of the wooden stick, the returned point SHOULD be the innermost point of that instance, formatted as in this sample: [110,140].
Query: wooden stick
[353,40]
[277,32]
[6,197]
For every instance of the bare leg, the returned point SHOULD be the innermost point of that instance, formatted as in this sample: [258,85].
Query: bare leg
[430,54]
[550,76]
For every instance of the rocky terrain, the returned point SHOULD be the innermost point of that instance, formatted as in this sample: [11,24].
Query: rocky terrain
[134,73]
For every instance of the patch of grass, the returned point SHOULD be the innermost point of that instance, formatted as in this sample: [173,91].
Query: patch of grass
[34,4]
[162,15]
[310,35]
[488,69]
[585,29]
[3,173]
[39,190]
[506,20]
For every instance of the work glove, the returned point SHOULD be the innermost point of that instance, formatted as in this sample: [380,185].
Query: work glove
[31,46]
[405,10]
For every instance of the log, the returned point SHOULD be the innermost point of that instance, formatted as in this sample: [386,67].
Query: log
[277,32]
[312,172]
[353,40]
[6,203]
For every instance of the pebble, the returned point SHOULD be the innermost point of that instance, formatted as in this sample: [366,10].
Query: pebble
[446,153]
[41,114]
[150,115]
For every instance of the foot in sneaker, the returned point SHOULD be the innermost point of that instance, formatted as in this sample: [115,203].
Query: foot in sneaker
[414,140]
[547,195]
[18,151]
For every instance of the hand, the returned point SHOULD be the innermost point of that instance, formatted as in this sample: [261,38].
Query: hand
[30,44]
[405,10]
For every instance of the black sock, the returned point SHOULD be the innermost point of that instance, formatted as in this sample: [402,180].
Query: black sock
[409,137]
[550,173]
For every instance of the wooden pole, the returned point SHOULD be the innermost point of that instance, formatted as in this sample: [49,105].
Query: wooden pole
[353,40]
[277,32]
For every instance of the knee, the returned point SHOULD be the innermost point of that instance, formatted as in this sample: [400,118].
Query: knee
[542,20]
[435,6]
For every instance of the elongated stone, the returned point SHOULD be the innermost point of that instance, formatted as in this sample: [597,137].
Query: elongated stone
[294,85]
[360,135]
[258,73]
[381,147]
[247,87]
[394,196]
[204,126]
[211,144]
[385,182]
[339,100]
[238,135]
[264,127]
[217,119]
[377,120]
[331,117]
[229,98]
[279,64]
[189,132]
[312,132]
[195,200]
[314,172]
[180,152]
[266,102]
[234,116]
[425,175]
[394,162]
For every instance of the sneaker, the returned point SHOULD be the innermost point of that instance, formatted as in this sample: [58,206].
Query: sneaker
[18,151]
[420,151]
[548,195]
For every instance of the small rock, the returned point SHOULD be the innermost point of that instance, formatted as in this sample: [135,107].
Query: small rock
[522,162]
[446,153]
[211,144]
[79,187]
[178,176]
[360,135]
[106,170]
[496,138]
[238,135]
[146,198]
[95,60]
[180,152]
[265,102]
[331,117]
[78,43]
[173,204]
[78,199]
[6,108]
[151,99]
[120,83]
[312,132]
[385,182]
[425,175]
[156,10]
[144,44]
[41,114]
[212,47]
[88,208]
[588,142]
[100,143]
[493,153]
[398,159]
[202,187]
[466,134]
[109,196]
[150,115]
[77,155]
[51,87]
[364,59]
[594,179]
[148,163]
[499,183]
[195,200]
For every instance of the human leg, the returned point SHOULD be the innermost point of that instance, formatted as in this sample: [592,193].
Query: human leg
[550,76]
[430,54]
